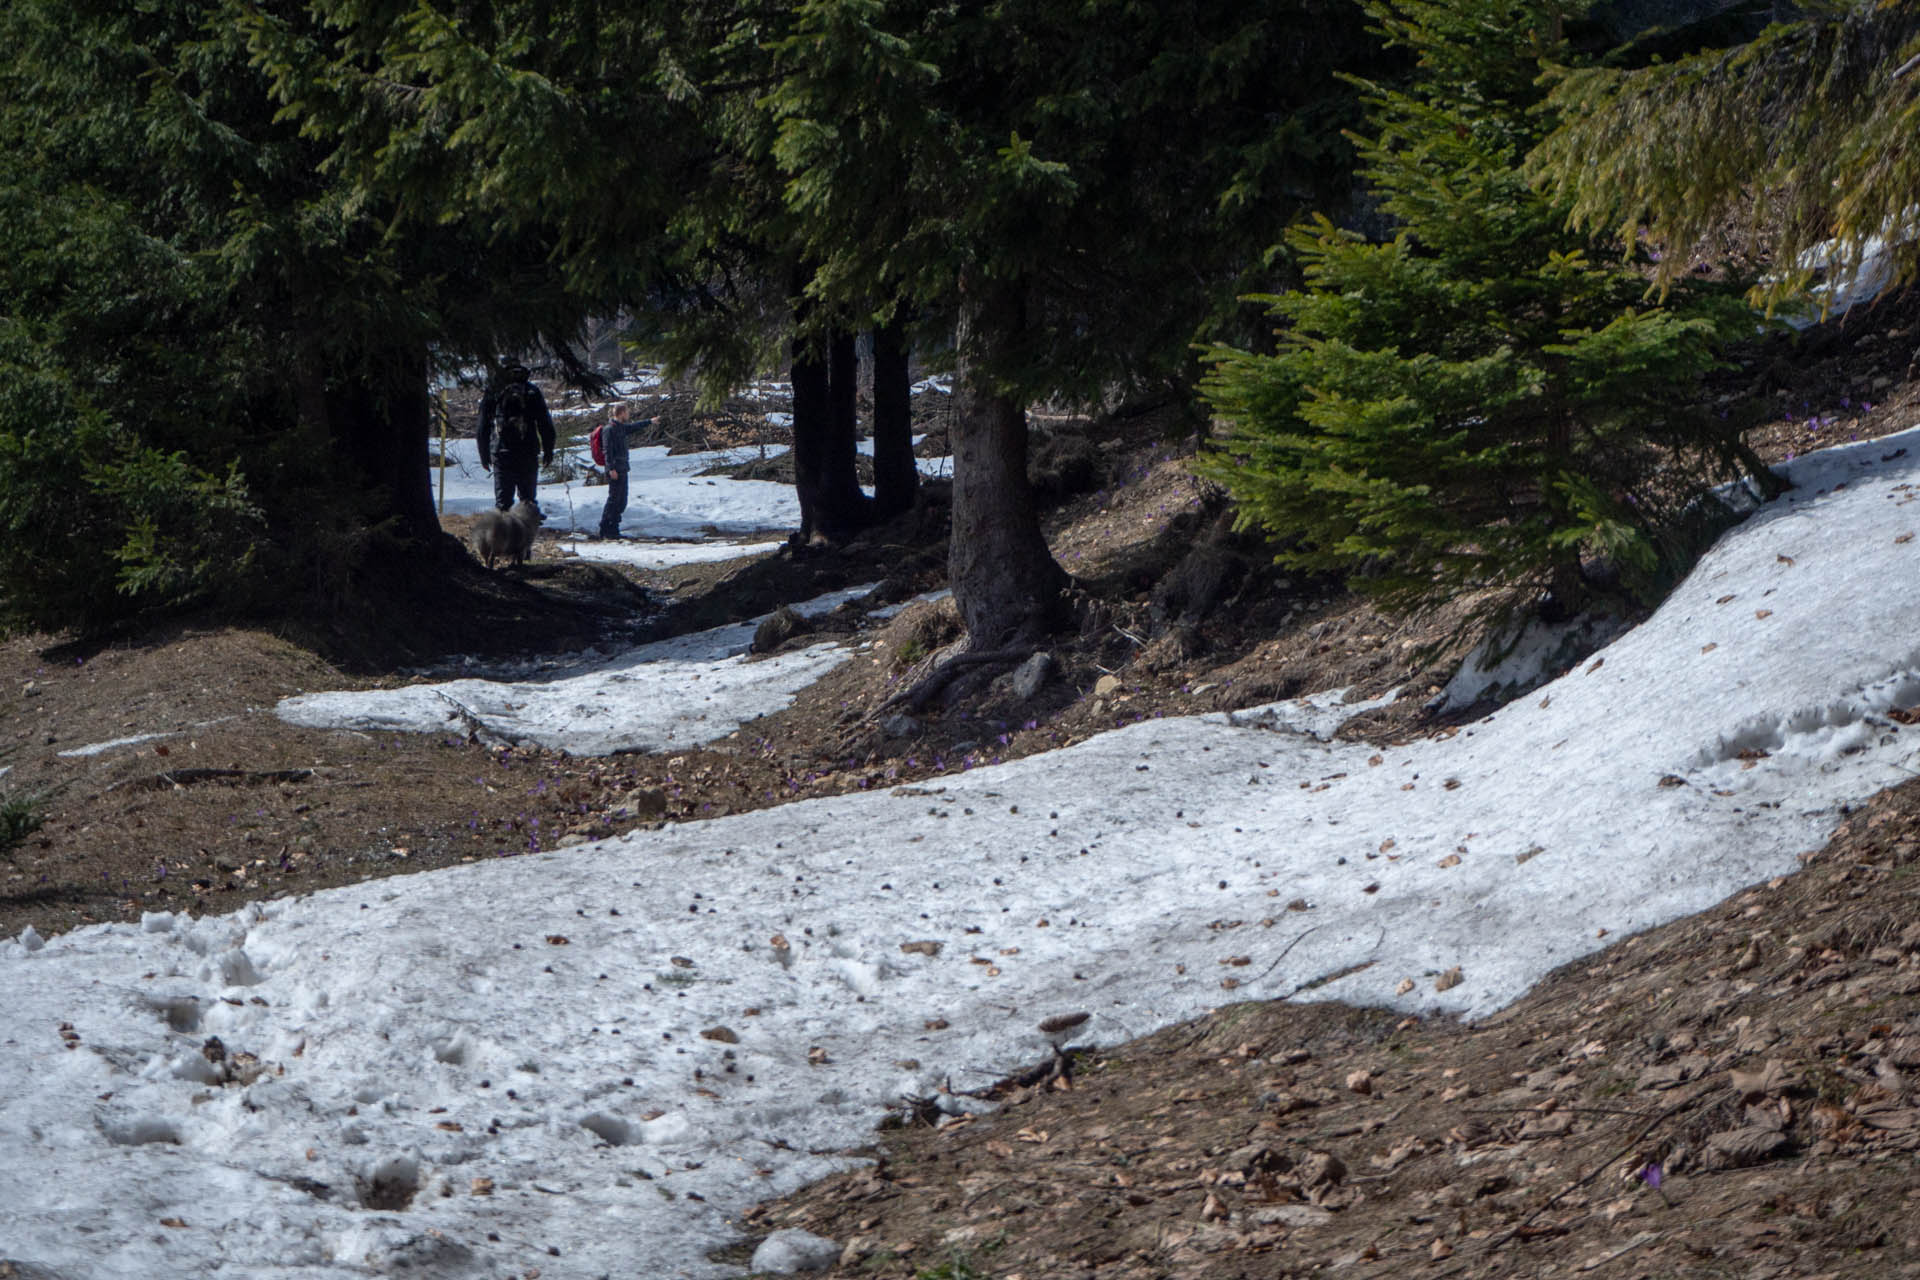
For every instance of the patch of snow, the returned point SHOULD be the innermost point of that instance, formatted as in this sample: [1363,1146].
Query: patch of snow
[1850,279]
[1508,664]
[646,554]
[673,693]
[643,382]
[895,610]
[667,498]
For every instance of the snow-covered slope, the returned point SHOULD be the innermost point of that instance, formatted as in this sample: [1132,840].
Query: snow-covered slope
[587,1062]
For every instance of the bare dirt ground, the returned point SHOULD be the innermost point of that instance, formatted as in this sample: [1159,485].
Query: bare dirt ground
[1759,1056]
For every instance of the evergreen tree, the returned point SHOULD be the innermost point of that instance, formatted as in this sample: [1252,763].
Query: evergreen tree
[246,233]
[1805,131]
[1069,190]
[1482,401]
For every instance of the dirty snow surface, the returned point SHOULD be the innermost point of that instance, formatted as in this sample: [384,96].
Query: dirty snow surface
[589,1062]
[667,498]
[674,693]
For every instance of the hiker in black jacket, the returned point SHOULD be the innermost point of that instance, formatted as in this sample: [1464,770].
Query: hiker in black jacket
[516,436]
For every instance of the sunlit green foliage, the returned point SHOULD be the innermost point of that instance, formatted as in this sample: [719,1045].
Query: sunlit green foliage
[1483,401]
[1805,133]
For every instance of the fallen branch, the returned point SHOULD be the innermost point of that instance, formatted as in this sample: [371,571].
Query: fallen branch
[1298,939]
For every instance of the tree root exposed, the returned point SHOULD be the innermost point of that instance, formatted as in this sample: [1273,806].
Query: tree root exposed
[929,686]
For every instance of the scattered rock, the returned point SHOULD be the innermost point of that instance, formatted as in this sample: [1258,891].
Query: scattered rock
[1032,675]
[646,802]
[791,1251]
[781,626]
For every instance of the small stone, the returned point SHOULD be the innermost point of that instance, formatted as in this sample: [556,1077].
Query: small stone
[779,627]
[647,802]
[1106,686]
[1062,1023]
[1032,675]
[792,1250]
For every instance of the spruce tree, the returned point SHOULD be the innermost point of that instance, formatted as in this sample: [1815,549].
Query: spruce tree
[1484,400]
[1806,131]
[1069,190]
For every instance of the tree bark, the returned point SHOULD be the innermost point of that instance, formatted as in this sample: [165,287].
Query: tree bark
[1005,580]
[896,477]
[832,504]
[844,506]
[810,411]
[380,426]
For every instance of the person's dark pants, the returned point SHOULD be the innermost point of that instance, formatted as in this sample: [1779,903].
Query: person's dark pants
[514,480]
[616,506]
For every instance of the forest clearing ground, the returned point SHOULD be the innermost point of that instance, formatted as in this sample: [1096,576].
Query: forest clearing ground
[1206,1149]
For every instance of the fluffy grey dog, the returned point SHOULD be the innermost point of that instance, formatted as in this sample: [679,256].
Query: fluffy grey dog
[505,534]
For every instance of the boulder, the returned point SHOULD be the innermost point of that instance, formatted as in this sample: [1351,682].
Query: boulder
[792,1251]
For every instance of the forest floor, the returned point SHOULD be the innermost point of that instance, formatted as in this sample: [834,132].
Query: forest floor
[1756,1055]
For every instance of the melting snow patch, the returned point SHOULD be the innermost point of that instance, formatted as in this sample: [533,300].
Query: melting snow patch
[667,555]
[609,1118]
[674,693]
[1504,666]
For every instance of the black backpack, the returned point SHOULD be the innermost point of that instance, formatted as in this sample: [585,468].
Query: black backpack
[513,418]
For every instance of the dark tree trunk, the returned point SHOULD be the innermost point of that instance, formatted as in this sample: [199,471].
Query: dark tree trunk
[832,504]
[1005,580]
[381,430]
[896,478]
[844,506]
[811,410]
